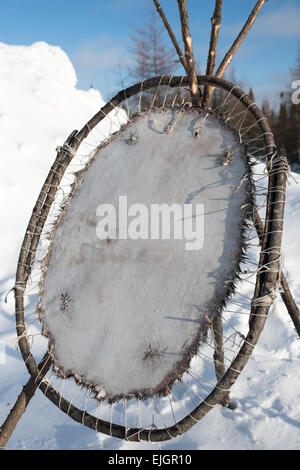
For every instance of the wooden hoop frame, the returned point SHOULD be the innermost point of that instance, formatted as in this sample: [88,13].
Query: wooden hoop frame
[266,279]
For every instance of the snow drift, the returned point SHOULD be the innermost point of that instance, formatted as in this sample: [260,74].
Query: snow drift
[39,107]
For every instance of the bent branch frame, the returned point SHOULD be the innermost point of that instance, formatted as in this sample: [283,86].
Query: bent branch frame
[266,279]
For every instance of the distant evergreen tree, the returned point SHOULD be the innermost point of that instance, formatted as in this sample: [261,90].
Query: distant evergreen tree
[286,123]
[294,117]
[153,56]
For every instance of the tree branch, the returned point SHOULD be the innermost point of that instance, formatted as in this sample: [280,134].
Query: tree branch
[238,41]
[171,34]
[243,33]
[211,59]
[189,55]
[22,401]
[219,353]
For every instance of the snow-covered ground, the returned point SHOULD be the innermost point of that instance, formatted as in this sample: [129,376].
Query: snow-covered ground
[39,107]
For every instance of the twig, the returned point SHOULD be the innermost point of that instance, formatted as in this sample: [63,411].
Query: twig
[171,34]
[238,41]
[189,55]
[286,294]
[211,59]
[22,401]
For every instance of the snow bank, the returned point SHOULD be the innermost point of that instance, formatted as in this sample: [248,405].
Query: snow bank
[39,107]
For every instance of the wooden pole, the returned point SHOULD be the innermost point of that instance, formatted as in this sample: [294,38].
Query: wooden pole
[219,354]
[286,294]
[171,34]
[22,401]
[236,44]
[189,55]
[211,59]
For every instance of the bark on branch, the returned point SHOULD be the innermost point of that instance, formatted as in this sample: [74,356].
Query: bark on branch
[189,55]
[211,59]
[171,34]
[236,44]
[219,354]
[22,401]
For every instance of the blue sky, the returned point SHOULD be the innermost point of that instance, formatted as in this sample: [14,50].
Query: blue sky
[96,36]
